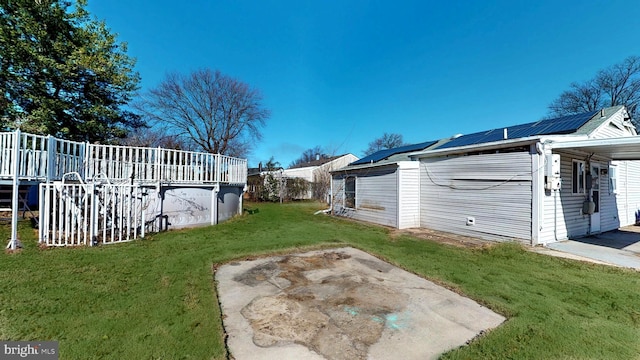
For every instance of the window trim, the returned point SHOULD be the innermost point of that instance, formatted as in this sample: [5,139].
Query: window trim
[578,185]
[350,195]
[613,179]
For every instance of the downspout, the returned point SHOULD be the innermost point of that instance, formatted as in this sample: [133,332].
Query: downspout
[555,215]
[331,194]
[536,186]
[398,192]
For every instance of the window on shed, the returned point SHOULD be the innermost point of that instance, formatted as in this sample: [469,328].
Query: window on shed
[350,192]
[578,177]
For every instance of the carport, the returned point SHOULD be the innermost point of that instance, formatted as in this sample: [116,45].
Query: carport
[619,247]
[623,148]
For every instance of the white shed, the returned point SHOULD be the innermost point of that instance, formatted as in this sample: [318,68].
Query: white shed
[538,182]
[382,188]
[562,179]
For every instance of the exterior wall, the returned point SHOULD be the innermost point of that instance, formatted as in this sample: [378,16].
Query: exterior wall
[182,207]
[562,210]
[408,194]
[495,190]
[228,202]
[614,127]
[305,173]
[376,195]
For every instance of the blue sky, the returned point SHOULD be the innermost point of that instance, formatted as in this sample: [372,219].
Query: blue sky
[339,74]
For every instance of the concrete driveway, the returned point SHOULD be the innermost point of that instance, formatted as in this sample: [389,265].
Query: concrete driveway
[619,247]
[341,304]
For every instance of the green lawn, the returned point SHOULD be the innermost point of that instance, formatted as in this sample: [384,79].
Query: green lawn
[155,298]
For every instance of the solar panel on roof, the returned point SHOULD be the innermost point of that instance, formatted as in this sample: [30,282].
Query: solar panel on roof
[383,154]
[562,125]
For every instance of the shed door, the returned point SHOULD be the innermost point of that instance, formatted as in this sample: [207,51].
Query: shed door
[595,197]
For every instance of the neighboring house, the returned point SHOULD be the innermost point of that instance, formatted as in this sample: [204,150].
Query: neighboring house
[317,173]
[538,182]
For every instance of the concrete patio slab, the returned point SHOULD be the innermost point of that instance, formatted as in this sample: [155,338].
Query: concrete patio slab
[341,304]
[618,248]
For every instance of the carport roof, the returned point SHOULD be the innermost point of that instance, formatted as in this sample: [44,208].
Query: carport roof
[623,148]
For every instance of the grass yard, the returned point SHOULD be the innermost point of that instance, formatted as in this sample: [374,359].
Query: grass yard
[156,299]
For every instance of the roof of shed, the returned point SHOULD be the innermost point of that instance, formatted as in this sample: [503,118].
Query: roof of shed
[578,124]
[563,125]
[387,153]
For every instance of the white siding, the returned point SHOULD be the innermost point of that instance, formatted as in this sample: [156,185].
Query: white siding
[614,127]
[408,197]
[609,130]
[628,191]
[303,173]
[562,214]
[376,196]
[609,217]
[493,189]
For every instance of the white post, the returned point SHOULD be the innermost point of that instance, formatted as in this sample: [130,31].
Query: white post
[86,161]
[159,154]
[244,189]
[214,204]
[143,225]
[216,168]
[51,157]
[13,244]
[93,225]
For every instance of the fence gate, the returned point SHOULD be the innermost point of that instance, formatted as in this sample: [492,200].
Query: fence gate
[90,214]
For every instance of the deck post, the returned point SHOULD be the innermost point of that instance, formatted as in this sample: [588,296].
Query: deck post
[216,173]
[13,244]
[158,174]
[51,158]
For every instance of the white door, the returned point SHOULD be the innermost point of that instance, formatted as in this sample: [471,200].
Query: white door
[595,197]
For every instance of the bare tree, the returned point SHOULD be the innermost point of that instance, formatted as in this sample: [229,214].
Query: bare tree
[218,113]
[309,155]
[386,141]
[156,137]
[616,85]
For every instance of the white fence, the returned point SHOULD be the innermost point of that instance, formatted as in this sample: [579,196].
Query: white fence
[91,214]
[46,158]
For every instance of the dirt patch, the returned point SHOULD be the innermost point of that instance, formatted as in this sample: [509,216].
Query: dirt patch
[338,316]
[442,237]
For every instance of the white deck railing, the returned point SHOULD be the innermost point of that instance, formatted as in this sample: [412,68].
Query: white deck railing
[46,158]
